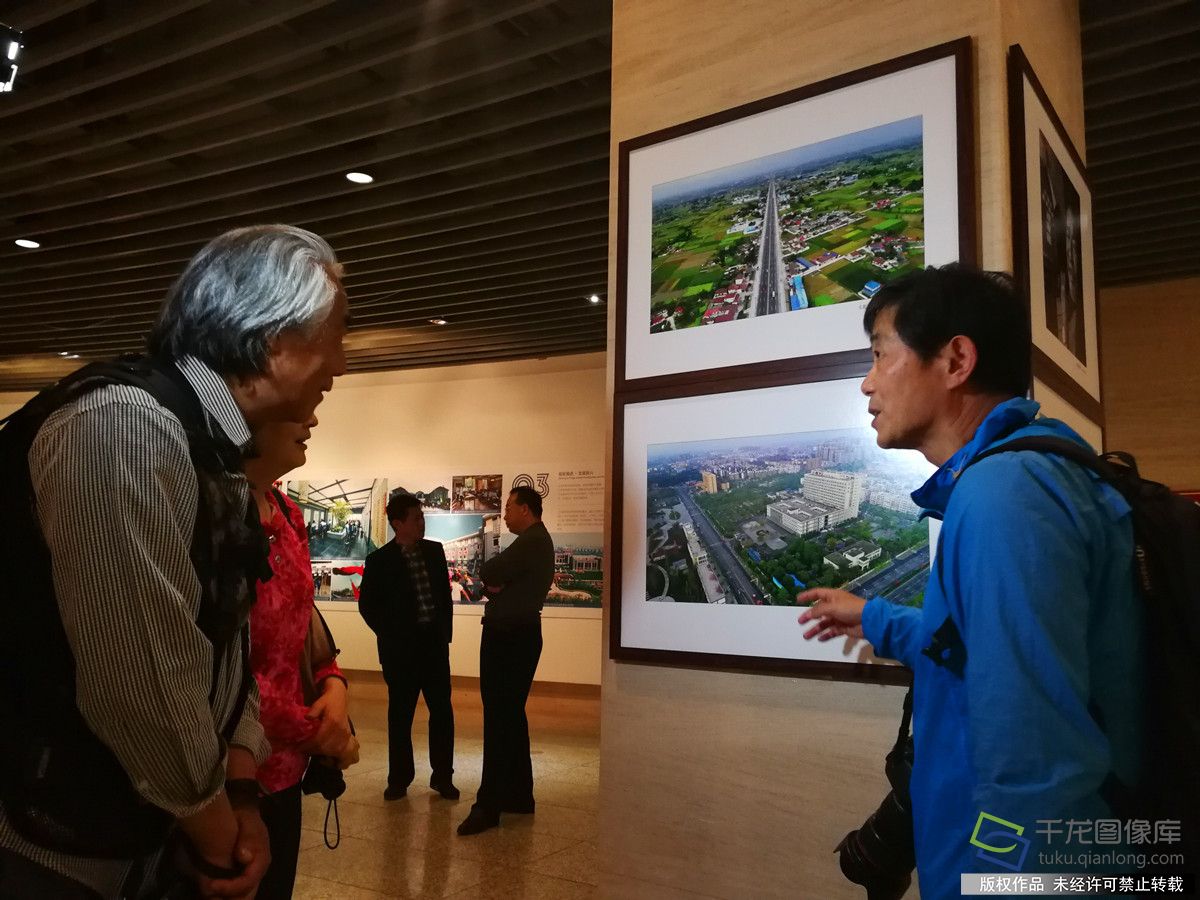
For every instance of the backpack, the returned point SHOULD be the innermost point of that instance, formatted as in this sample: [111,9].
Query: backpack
[61,787]
[1166,531]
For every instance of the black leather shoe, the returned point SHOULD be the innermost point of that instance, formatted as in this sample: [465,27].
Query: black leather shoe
[395,792]
[523,808]
[479,820]
[446,789]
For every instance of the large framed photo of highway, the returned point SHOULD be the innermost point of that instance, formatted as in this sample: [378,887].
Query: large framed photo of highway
[1052,242]
[728,505]
[756,236]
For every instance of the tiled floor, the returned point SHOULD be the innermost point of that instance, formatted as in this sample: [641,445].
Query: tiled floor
[409,848]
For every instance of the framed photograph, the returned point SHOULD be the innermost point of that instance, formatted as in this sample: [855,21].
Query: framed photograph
[756,236]
[727,505]
[1052,242]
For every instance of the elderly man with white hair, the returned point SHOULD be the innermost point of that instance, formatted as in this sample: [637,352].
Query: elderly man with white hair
[130,722]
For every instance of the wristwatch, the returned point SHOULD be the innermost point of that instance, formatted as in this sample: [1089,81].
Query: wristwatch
[244,792]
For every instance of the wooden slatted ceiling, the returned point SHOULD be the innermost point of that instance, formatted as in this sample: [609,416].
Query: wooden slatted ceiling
[140,129]
[1141,68]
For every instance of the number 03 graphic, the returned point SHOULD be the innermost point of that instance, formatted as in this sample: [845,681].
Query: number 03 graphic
[542,486]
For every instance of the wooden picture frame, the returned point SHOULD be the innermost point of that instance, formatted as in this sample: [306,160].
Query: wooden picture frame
[732,631]
[854,134]
[1052,248]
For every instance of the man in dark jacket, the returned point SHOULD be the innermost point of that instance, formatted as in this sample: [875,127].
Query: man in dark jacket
[516,583]
[405,599]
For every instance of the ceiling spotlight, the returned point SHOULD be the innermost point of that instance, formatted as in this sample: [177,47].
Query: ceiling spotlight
[595,298]
[359,177]
[10,42]
[65,354]
[27,243]
[438,321]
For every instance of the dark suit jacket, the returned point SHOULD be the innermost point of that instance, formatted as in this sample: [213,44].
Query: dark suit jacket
[388,601]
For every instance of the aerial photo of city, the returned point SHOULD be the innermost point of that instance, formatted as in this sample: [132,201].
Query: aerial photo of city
[756,520]
[817,225]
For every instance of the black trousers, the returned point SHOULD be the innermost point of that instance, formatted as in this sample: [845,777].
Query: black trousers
[412,667]
[508,658]
[281,813]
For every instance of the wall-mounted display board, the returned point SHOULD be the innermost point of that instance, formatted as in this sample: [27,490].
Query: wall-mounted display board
[749,244]
[1052,242]
[573,511]
[756,236]
[346,520]
[732,503]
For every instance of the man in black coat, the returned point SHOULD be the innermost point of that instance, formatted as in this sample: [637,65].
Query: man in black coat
[405,599]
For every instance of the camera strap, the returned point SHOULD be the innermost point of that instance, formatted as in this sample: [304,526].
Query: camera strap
[905,721]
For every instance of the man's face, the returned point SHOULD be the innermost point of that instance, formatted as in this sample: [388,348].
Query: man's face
[411,529]
[516,515]
[301,368]
[904,391]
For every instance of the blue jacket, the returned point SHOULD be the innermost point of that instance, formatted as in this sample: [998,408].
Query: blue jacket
[1034,567]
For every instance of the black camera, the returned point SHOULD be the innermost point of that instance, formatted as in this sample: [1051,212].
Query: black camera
[881,854]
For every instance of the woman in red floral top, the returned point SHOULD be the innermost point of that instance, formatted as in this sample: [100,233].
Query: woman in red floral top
[278,626]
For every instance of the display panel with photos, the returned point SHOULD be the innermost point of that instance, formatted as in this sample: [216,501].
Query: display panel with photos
[757,236]
[345,520]
[468,522]
[732,503]
[1052,241]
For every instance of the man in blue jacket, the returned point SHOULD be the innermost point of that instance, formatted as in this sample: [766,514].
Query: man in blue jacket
[1026,710]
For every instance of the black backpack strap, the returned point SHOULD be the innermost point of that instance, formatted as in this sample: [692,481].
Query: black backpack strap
[1066,448]
[947,649]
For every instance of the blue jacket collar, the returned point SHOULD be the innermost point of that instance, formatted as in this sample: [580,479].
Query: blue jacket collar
[1005,418]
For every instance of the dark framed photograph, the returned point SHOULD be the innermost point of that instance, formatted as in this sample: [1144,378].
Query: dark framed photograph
[727,505]
[755,237]
[1052,242]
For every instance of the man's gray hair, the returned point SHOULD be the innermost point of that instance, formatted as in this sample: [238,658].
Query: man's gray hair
[240,291]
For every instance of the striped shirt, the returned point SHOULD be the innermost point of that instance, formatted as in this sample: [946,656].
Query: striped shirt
[116,497]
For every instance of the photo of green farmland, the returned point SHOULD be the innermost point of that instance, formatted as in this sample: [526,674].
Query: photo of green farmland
[817,225]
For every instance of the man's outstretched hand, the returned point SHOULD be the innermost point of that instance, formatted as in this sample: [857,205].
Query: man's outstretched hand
[835,613]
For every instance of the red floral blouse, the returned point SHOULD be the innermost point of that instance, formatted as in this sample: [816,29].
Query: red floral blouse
[278,627]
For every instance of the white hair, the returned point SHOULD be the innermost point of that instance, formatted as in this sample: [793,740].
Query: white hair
[243,289]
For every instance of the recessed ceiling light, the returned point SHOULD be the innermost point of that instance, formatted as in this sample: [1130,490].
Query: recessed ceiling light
[595,298]
[66,354]
[437,321]
[27,243]
[359,177]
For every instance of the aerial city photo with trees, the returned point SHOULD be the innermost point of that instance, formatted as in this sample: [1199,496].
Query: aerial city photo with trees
[756,520]
[813,226]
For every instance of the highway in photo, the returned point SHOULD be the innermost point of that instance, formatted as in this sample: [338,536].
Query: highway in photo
[900,580]
[770,292]
[741,588]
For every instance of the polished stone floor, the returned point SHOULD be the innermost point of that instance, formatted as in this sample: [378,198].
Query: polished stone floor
[409,848]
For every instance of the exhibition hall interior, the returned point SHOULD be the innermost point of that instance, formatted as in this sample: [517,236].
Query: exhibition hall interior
[613,255]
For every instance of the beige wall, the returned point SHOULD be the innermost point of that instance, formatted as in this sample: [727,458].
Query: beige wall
[1151,377]
[730,785]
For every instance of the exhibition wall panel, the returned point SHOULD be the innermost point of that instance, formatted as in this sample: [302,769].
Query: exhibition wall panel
[431,424]
[1151,378]
[728,784]
[428,425]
